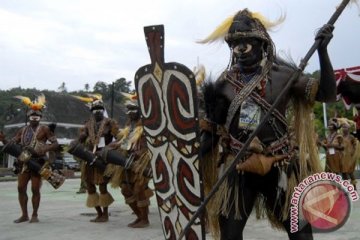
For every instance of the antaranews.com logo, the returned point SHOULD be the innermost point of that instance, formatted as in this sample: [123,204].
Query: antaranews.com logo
[323,200]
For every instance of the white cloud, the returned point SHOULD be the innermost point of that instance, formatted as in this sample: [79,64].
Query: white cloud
[84,41]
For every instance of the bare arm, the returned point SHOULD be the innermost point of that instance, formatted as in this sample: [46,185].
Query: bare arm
[114,128]
[327,84]
[2,137]
[16,138]
[52,139]
[82,135]
[338,144]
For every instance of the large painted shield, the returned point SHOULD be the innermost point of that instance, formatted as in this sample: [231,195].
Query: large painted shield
[168,103]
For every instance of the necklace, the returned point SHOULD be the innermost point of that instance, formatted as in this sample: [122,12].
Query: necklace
[331,137]
[28,135]
[247,77]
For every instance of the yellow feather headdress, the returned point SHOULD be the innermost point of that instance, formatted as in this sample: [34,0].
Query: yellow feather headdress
[129,96]
[346,122]
[37,105]
[131,99]
[220,32]
[223,29]
[90,99]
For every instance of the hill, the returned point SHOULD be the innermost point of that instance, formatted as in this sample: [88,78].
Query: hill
[61,108]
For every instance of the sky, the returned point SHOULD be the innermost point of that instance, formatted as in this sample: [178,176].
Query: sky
[46,43]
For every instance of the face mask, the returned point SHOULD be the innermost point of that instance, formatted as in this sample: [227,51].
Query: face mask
[34,118]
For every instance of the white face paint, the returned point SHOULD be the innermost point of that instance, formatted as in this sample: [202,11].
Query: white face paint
[131,112]
[96,111]
[34,118]
[246,50]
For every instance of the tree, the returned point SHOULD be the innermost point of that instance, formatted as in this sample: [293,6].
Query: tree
[87,87]
[62,88]
[103,89]
[121,85]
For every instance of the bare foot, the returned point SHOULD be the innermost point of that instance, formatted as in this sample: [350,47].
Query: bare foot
[34,219]
[102,219]
[134,222]
[81,191]
[95,219]
[22,219]
[141,224]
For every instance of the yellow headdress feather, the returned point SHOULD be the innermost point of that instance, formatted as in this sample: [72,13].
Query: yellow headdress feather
[95,96]
[345,121]
[36,105]
[199,74]
[84,99]
[129,96]
[269,25]
[24,100]
[90,97]
[91,100]
[219,32]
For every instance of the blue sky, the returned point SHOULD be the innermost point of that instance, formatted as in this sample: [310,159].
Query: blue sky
[44,43]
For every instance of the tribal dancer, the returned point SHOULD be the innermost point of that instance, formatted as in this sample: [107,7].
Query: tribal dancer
[236,103]
[348,161]
[98,132]
[334,146]
[33,138]
[134,185]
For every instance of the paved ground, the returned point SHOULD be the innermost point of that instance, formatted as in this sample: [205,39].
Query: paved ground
[63,215]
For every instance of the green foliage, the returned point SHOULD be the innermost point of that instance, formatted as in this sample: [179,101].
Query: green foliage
[87,87]
[122,85]
[62,88]
[113,89]
[11,108]
[336,109]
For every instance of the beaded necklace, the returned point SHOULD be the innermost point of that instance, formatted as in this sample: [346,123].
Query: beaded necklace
[29,135]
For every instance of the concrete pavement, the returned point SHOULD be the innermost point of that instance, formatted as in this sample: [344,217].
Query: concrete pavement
[63,215]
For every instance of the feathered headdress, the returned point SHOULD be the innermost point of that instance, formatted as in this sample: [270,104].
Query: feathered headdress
[37,105]
[90,97]
[246,24]
[131,99]
[131,102]
[130,96]
[334,122]
[344,122]
[92,100]
[222,31]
